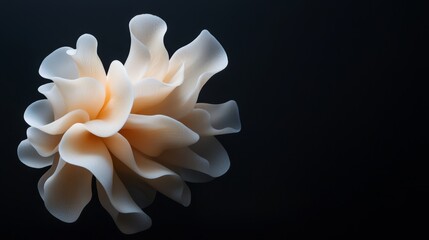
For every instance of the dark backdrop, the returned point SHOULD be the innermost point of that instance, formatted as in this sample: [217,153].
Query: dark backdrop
[333,101]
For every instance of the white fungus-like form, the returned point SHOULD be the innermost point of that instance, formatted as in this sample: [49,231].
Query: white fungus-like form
[137,128]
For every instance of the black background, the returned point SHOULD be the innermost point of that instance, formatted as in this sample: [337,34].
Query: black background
[333,101]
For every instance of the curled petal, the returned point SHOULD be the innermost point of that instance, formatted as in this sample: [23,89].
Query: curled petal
[148,56]
[67,191]
[154,134]
[81,148]
[128,223]
[30,157]
[156,175]
[59,64]
[118,106]
[39,113]
[150,91]
[207,156]
[45,176]
[214,119]
[53,94]
[202,58]
[45,144]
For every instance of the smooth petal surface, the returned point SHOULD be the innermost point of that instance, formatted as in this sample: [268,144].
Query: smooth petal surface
[59,64]
[45,144]
[202,58]
[214,119]
[129,222]
[45,176]
[81,148]
[67,191]
[148,56]
[53,94]
[30,157]
[118,106]
[156,175]
[154,134]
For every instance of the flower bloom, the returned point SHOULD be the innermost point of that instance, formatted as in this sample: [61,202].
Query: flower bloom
[137,128]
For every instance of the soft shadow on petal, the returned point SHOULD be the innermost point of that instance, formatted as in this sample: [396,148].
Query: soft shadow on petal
[118,106]
[200,162]
[83,93]
[53,94]
[86,58]
[129,222]
[150,91]
[45,176]
[148,56]
[81,148]
[154,134]
[202,58]
[159,177]
[67,191]
[45,144]
[39,113]
[214,119]
[28,155]
[59,64]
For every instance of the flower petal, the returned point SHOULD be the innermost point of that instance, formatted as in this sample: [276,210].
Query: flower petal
[81,148]
[53,94]
[67,191]
[86,58]
[59,64]
[45,176]
[118,106]
[206,157]
[128,223]
[154,134]
[148,56]
[214,119]
[45,144]
[202,58]
[83,93]
[150,91]
[39,115]
[29,156]
[156,175]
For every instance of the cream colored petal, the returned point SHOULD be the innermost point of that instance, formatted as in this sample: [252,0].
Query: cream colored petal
[53,94]
[67,191]
[199,163]
[45,144]
[156,175]
[148,56]
[154,134]
[45,176]
[118,106]
[81,148]
[59,64]
[202,58]
[83,93]
[86,58]
[128,223]
[150,91]
[28,155]
[214,119]
[39,115]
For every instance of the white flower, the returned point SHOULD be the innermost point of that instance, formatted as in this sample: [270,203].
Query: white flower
[136,129]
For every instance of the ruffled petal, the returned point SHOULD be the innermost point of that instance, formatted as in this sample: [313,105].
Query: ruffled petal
[67,191]
[53,94]
[45,176]
[83,93]
[148,56]
[199,163]
[214,119]
[81,148]
[156,175]
[45,144]
[128,223]
[202,58]
[154,134]
[150,91]
[68,63]
[28,155]
[118,106]
[39,115]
